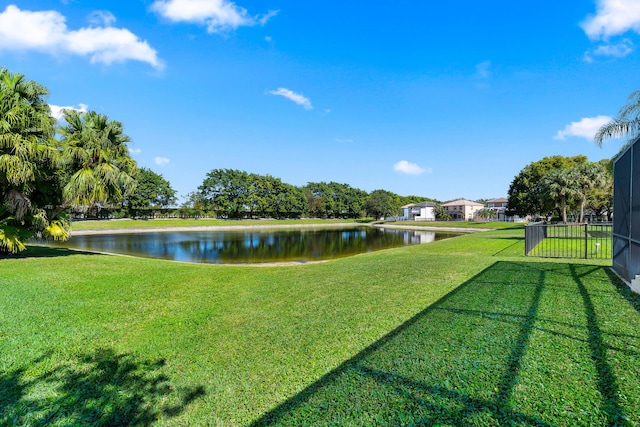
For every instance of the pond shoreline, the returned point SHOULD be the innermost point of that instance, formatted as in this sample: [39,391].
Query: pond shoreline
[268,227]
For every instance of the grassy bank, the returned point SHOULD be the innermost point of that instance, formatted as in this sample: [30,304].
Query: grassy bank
[460,332]
[497,225]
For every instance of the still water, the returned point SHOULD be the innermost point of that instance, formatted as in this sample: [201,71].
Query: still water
[249,247]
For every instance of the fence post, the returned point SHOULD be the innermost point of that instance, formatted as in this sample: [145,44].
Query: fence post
[586,240]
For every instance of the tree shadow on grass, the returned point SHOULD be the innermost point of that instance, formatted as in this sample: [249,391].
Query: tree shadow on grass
[99,389]
[36,251]
[485,354]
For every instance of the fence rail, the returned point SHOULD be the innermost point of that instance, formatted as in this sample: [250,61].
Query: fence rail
[586,241]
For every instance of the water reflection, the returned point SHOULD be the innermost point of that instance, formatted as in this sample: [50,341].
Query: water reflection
[247,247]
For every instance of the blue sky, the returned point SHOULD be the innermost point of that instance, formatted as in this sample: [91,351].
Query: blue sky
[443,99]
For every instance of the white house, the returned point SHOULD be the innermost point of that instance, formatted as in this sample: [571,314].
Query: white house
[499,207]
[419,212]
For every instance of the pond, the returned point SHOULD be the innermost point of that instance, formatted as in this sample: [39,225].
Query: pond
[252,246]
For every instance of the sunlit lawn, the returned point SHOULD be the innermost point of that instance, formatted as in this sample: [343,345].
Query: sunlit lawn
[464,331]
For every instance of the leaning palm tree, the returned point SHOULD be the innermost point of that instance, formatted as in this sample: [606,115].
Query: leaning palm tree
[96,153]
[29,164]
[627,122]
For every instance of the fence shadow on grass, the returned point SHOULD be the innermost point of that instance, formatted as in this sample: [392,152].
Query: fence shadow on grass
[101,389]
[470,358]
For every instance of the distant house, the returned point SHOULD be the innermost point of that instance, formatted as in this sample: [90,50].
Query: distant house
[462,210]
[419,212]
[499,207]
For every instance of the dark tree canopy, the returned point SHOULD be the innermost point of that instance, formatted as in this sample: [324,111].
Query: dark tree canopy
[334,200]
[152,191]
[526,194]
[382,203]
[232,193]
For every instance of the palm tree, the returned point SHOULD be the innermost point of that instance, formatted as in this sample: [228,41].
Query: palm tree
[486,214]
[587,176]
[626,123]
[29,164]
[562,185]
[96,153]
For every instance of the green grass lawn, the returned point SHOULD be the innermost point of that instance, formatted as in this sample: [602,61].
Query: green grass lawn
[464,331]
[500,225]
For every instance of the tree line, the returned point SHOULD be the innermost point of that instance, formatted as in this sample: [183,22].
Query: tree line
[232,193]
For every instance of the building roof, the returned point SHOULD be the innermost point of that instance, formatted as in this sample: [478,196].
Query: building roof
[462,202]
[425,205]
[419,205]
[498,200]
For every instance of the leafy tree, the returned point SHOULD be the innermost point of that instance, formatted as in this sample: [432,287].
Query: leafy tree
[382,203]
[152,191]
[406,200]
[285,200]
[334,200]
[526,194]
[30,166]
[193,206]
[270,197]
[226,191]
[600,197]
[314,203]
[441,213]
[627,121]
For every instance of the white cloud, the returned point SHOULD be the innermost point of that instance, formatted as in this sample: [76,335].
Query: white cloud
[135,150]
[349,140]
[46,31]
[217,15]
[618,50]
[613,17]
[585,128]
[101,17]
[295,97]
[404,166]
[161,161]
[58,111]
[263,19]
[483,70]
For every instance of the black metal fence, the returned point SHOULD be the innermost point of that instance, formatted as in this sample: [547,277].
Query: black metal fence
[587,241]
[626,208]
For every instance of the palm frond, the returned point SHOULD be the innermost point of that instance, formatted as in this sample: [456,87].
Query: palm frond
[11,239]
[57,230]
